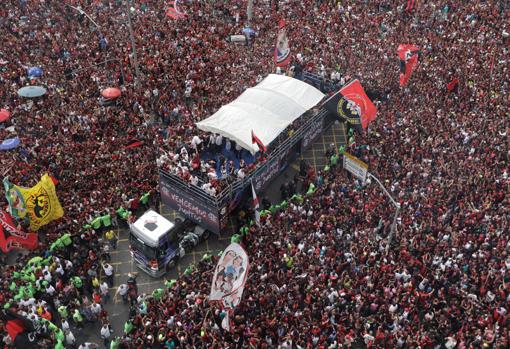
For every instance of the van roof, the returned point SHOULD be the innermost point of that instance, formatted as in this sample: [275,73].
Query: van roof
[151,226]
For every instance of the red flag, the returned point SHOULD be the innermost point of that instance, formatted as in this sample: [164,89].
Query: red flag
[14,327]
[13,237]
[195,163]
[357,99]
[174,12]
[134,143]
[255,139]
[255,204]
[452,85]
[408,55]
[410,5]
[282,50]
[492,62]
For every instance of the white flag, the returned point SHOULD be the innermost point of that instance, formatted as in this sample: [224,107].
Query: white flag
[255,205]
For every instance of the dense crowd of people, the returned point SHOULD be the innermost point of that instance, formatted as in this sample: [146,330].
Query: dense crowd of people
[324,273]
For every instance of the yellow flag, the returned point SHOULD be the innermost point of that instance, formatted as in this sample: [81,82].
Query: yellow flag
[41,202]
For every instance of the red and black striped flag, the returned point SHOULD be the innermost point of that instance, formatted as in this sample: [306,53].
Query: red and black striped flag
[408,55]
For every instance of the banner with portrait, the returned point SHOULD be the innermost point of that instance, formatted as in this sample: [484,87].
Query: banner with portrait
[230,276]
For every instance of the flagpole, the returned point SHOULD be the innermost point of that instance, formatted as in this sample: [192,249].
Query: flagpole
[83,13]
[330,97]
[397,212]
[249,11]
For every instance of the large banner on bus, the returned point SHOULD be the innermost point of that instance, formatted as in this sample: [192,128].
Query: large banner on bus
[190,206]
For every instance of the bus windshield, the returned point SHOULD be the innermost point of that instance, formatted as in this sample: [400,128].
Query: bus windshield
[147,251]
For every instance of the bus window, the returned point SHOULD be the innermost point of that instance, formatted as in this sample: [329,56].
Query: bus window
[147,251]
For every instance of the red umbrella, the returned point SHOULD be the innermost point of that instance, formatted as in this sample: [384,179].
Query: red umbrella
[4,115]
[111,93]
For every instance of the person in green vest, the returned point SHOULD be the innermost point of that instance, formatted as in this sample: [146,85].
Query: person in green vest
[78,318]
[170,283]
[114,344]
[106,220]
[96,223]
[66,239]
[78,284]
[59,334]
[341,150]
[123,213]
[207,257]
[289,261]
[311,189]
[158,293]
[351,140]
[128,327]
[244,230]
[144,199]
[264,213]
[297,198]
[235,238]
[57,245]
[333,160]
[62,310]
[188,270]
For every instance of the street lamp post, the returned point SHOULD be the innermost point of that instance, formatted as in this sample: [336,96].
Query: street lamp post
[249,11]
[133,44]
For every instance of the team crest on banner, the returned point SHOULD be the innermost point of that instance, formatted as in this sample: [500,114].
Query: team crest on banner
[230,276]
[349,110]
[352,104]
[39,204]
[356,103]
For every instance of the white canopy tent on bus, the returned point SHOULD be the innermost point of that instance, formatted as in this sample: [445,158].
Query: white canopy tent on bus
[267,109]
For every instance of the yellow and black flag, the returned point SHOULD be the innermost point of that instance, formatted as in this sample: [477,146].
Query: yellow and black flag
[38,205]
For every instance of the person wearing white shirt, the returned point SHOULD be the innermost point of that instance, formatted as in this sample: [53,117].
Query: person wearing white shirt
[219,141]
[95,308]
[105,334]
[108,272]
[60,269]
[65,325]
[122,290]
[50,290]
[105,293]
[195,142]
[47,276]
